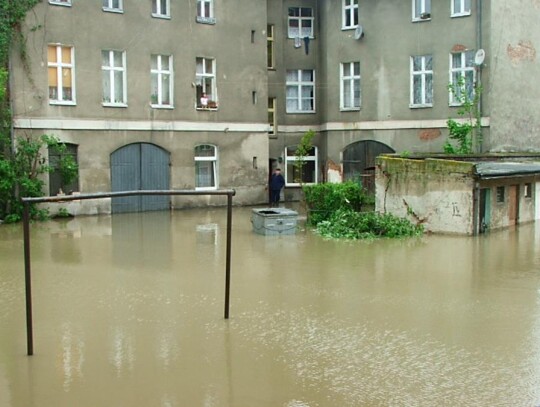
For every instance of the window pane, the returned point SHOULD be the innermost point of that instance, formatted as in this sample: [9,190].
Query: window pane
[346,70]
[118,87]
[51,53]
[428,62]
[66,55]
[417,89]
[347,93]
[357,68]
[106,81]
[205,151]
[118,58]
[105,58]
[292,76]
[53,79]
[165,98]
[429,88]
[208,66]
[294,12]
[417,64]
[204,174]
[165,62]
[357,93]
[307,75]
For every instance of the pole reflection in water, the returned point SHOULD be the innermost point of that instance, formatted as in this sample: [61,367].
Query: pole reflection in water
[128,312]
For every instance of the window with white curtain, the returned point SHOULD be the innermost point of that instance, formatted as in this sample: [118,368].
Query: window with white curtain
[300,22]
[206,167]
[462,77]
[350,86]
[460,8]
[422,81]
[113,69]
[161,79]
[421,10]
[300,91]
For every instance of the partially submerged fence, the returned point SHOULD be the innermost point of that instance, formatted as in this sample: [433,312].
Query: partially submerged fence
[55,199]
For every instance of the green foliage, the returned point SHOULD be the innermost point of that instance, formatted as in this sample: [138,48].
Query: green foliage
[467,133]
[302,151]
[348,224]
[12,13]
[20,175]
[324,199]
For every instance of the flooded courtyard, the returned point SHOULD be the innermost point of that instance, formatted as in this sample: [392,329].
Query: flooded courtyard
[128,311]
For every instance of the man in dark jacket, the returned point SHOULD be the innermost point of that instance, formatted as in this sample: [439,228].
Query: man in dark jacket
[276,183]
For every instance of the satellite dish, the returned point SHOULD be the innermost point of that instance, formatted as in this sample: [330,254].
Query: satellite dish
[359,32]
[479,57]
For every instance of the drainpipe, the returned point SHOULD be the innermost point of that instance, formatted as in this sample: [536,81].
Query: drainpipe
[479,20]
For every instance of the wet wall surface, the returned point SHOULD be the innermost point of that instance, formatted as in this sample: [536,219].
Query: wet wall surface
[128,311]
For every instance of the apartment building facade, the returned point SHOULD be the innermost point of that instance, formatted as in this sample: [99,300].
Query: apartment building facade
[224,91]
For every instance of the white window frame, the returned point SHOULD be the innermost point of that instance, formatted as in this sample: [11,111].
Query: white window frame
[161,75]
[108,5]
[66,3]
[290,160]
[349,81]
[426,75]
[350,9]
[300,85]
[158,6]
[202,16]
[419,8]
[201,80]
[463,9]
[59,66]
[466,69]
[111,69]
[300,19]
[206,159]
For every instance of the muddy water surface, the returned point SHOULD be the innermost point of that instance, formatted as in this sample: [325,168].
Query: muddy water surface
[128,311]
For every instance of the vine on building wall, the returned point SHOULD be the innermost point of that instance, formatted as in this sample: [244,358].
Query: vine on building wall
[21,159]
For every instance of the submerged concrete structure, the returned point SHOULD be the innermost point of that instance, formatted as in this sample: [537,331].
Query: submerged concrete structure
[468,197]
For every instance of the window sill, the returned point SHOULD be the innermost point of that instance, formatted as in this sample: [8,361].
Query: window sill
[166,107]
[297,185]
[460,15]
[426,106]
[58,3]
[301,112]
[349,109]
[62,103]
[205,20]
[161,16]
[420,20]
[205,188]
[311,37]
[211,109]
[105,104]
[349,28]
[113,10]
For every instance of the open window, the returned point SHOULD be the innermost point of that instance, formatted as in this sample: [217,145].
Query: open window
[205,76]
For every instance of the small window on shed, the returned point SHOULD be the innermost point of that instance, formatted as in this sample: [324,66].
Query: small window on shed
[500,194]
[528,190]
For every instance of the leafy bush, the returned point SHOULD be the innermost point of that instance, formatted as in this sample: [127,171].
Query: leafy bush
[324,199]
[348,224]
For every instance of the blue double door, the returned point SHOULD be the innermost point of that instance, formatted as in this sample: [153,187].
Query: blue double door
[140,166]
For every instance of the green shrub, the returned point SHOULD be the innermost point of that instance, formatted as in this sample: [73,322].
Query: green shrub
[324,199]
[348,224]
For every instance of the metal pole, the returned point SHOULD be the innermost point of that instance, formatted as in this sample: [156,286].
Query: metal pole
[228,258]
[28,280]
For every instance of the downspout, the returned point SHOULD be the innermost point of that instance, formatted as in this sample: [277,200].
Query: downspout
[479,20]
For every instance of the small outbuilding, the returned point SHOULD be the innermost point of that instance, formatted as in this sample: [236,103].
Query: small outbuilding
[460,195]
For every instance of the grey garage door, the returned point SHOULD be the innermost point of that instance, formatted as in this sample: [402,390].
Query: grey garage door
[359,161]
[140,166]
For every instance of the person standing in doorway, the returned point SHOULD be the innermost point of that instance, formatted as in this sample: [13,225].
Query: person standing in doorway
[277,182]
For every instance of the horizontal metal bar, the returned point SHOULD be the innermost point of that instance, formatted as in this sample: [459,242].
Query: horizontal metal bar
[98,195]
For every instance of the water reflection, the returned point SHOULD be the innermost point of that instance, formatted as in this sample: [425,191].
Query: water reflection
[132,305]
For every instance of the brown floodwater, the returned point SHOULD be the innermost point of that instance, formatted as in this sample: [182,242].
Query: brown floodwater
[128,311]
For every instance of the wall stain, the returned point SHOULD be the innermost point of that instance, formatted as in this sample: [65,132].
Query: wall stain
[429,134]
[523,51]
